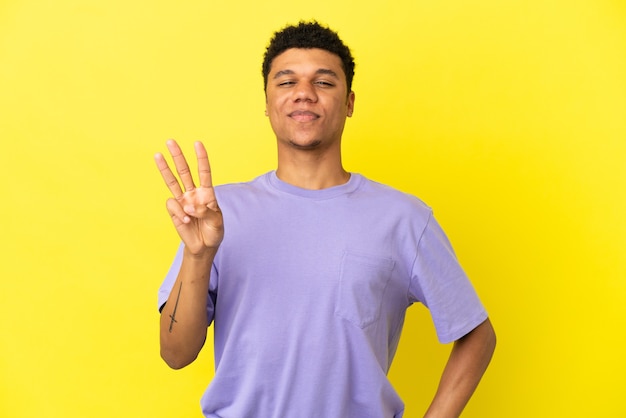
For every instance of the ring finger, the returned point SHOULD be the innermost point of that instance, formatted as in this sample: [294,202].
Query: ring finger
[181,165]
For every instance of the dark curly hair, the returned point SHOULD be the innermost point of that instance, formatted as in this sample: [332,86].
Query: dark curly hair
[308,35]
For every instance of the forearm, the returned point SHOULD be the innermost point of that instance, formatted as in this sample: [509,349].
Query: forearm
[184,322]
[467,363]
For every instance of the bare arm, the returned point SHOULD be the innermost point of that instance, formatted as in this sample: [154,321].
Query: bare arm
[198,221]
[467,363]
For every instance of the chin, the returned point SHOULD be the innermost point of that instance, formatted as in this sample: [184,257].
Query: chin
[310,145]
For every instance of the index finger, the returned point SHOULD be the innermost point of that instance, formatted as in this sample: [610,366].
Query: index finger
[204,167]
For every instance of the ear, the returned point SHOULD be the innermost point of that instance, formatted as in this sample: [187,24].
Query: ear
[266,113]
[351,98]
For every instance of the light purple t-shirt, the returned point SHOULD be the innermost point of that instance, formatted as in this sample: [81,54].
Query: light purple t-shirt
[308,294]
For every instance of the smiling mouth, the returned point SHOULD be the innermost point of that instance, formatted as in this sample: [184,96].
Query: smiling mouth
[303,116]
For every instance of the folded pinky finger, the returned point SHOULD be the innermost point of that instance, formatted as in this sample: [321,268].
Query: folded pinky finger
[178,215]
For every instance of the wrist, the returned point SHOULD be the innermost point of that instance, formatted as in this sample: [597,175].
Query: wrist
[207,254]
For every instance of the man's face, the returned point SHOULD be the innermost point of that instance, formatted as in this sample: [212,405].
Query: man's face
[307,98]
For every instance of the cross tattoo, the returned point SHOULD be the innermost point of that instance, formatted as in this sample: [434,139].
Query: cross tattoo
[173,315]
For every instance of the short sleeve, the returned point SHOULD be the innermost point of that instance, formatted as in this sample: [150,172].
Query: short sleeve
[439,282]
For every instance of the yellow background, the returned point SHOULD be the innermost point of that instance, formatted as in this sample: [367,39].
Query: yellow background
[508,117]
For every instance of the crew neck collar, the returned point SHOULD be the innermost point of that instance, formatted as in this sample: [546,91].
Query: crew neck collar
[348,187]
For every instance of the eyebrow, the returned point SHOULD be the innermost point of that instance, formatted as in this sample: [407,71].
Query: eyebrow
[323,71]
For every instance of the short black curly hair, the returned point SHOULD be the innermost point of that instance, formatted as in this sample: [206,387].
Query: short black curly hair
[308,35]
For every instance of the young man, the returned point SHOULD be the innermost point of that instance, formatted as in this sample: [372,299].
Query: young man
[307,271]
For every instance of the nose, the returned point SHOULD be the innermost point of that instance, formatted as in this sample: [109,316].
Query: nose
[305,92]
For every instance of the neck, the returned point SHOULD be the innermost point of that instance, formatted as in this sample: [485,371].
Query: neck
[311,170]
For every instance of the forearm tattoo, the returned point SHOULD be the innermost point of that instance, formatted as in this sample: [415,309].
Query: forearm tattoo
[173,315]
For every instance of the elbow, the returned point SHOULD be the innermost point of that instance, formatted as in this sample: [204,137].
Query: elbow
[175,359]
[179,351]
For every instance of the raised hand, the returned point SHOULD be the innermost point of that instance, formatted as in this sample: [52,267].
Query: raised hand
[194,211]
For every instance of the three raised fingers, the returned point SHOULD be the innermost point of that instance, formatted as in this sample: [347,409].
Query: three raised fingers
[204,169]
